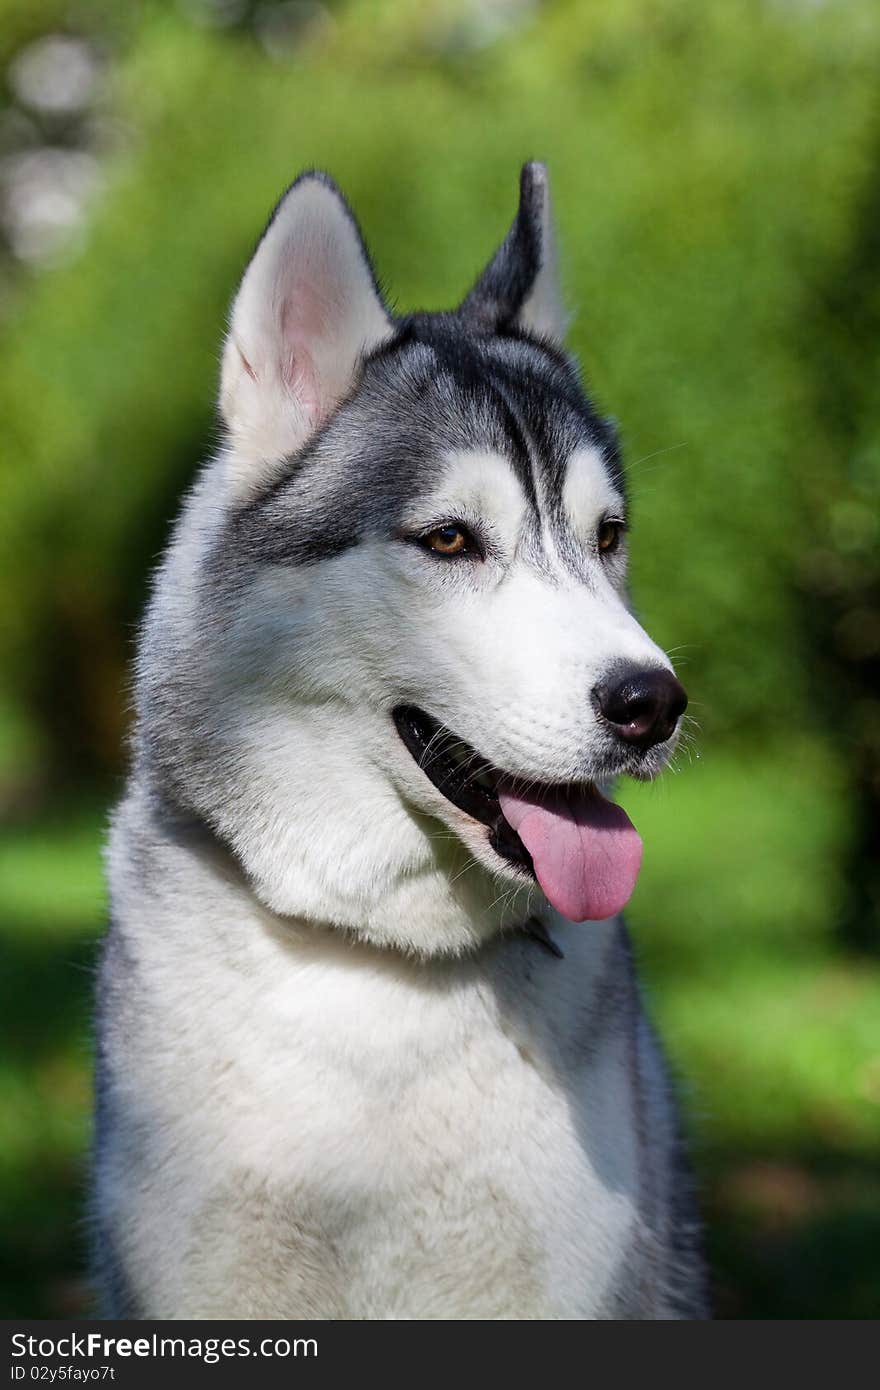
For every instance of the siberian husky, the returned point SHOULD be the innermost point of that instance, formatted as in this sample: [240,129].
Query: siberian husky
[370,1043]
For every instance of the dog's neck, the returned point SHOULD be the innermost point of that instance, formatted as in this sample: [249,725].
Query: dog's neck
[444,906]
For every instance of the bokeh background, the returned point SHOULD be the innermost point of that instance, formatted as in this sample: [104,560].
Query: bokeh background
[716,172]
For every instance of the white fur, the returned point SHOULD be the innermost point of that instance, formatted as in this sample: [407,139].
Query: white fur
[589,493]
[334,1082]
[320,1128]
[339,1133]
[309,670]
[305,313]
[543,312]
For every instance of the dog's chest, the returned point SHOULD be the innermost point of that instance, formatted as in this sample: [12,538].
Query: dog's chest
[384,1152]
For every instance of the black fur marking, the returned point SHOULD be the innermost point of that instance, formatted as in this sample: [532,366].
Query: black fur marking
[505,284]
[434,388]
[536,929]
[468,379]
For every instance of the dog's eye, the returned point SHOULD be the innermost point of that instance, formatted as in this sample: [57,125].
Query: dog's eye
[608,535]
[451,539]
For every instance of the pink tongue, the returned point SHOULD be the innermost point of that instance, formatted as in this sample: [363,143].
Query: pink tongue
[586,851]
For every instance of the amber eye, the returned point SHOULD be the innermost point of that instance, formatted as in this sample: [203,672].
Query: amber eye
[608,536]
[450,539]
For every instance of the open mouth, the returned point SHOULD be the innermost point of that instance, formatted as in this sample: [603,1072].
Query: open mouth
[463,777]
[582,848]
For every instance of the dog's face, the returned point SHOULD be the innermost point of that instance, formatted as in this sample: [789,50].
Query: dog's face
[425,658]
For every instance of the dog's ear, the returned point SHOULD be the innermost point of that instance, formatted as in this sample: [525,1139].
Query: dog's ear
[519,287]
[307,310]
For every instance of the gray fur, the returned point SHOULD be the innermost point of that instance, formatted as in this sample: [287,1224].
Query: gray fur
[335,1077]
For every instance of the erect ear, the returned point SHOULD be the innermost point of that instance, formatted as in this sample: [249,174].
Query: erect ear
[518,288]
[306,311]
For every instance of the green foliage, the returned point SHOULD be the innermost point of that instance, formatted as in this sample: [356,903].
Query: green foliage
[705,161]
[774,1038]
[716,175]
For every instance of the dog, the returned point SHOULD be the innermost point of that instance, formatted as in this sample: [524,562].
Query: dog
[370,1044]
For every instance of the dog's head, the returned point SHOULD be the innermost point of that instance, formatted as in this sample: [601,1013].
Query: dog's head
[390,655]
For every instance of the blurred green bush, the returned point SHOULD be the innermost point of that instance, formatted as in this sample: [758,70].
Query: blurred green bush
[716,175]
[708,162]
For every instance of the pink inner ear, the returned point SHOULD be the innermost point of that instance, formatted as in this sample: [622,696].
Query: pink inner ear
[303,321]
[299,374]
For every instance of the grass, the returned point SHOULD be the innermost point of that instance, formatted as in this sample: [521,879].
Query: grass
[771,1029]
[51,915]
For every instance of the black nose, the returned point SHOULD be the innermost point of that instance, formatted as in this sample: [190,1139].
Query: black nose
[642,706]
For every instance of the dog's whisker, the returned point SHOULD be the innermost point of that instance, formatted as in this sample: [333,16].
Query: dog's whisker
[638,463]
